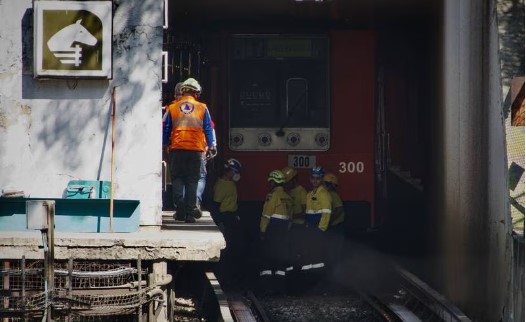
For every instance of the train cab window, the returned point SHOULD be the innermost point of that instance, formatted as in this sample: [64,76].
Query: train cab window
[278,82]
[297,106]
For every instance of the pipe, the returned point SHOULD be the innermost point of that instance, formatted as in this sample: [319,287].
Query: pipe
[155,292]
[114,110]
[165,281]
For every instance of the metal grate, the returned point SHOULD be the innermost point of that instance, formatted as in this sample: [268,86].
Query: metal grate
[82,289]
[82,276]
[13,279]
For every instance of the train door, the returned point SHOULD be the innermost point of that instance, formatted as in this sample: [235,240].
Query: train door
[382,148]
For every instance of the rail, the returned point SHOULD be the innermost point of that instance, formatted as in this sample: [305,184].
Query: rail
[413,300]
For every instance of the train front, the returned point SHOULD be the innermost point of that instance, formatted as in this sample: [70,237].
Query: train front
[304,100]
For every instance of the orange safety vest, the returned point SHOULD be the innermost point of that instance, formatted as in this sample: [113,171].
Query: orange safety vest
[187,116]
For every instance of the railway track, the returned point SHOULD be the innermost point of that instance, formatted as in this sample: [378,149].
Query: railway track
[408,299]
[246,307]
[414,300]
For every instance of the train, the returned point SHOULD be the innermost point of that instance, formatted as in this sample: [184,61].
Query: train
[293,99]
[287,93]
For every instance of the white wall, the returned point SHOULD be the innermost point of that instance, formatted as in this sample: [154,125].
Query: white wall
[53,131]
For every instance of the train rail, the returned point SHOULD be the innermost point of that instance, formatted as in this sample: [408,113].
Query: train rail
[407,299]
[417,301]
[412,300]
[246,307]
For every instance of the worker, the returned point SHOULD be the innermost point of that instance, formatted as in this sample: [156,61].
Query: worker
[224,211]
[336,224]
[187,133]
[317,218]
[274,226]
[201,184]
[299,196]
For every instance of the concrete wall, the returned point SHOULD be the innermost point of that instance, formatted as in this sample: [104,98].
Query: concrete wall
[472,212]
[53,131]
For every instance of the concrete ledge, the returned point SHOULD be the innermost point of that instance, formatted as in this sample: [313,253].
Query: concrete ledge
[182,242]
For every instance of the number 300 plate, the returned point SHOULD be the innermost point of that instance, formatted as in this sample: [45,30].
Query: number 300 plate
[302,161]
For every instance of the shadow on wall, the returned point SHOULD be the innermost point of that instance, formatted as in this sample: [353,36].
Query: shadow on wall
[80,109]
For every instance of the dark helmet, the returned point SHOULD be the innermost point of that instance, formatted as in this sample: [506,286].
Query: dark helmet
[233,165]
[317,171]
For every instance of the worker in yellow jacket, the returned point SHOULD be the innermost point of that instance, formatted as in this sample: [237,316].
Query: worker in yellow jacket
[317,218]
[336,225]
[274,226]
[224,211]
[299,197]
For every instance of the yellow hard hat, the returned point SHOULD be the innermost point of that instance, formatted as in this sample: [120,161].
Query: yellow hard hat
[276,176]
[289,173]
[331,178]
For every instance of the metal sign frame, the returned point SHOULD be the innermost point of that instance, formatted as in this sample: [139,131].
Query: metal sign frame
[73,39]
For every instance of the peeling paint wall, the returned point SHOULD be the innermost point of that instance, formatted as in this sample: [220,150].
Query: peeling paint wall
[54,131]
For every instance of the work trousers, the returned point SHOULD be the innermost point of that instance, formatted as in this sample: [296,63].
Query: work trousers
[275,247]
[201,184]
[336,239]
[231,226]
[315,247]
[185,168]
[297,244]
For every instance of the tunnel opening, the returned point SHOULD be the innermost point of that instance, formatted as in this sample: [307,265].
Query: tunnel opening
[396,220]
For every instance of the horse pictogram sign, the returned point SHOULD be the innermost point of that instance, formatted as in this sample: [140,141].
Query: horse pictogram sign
[73,38]
[61,44]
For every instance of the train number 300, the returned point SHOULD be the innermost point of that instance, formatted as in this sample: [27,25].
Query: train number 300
[302,161]
[351,167]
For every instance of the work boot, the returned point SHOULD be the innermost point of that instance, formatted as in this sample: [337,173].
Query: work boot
[189,219]
[178,216]
[197,213]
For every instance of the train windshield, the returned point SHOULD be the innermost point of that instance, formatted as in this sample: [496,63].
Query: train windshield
[279,81]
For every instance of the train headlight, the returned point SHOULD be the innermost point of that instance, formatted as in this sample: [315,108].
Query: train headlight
[322,139]
[236,139]
[293,139]
[264,139]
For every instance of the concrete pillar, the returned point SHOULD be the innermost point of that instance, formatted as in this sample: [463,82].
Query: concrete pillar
[472,216]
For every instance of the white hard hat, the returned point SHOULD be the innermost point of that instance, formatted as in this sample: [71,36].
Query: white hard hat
[177,89]
[190,85]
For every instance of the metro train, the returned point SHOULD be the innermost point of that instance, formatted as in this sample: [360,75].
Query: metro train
[296,99]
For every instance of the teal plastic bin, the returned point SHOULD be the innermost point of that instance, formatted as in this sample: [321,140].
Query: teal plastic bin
[75,215]
[88,189]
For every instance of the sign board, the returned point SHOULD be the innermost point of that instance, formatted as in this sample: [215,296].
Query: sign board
[73,39]
[301,161]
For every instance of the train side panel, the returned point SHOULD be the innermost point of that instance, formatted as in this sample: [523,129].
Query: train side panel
[353,92]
